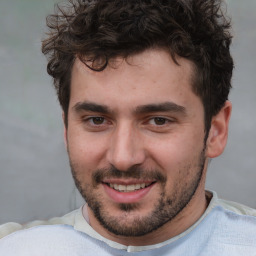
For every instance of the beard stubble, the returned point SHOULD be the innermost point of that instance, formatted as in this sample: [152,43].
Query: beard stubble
[128,223]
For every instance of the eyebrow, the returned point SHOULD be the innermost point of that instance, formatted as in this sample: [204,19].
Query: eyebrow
[92,107]
[143,109]
[161,107]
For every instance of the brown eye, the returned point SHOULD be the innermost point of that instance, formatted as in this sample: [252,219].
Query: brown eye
[159,120]
[97,120]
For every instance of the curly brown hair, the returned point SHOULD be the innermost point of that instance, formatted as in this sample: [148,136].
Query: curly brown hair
[96,31]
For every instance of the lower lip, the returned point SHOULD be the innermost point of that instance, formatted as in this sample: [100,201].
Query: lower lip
[127,197]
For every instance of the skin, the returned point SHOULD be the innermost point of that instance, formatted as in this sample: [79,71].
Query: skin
[112,124]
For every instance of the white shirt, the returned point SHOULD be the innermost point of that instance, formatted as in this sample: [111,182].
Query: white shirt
[225,229]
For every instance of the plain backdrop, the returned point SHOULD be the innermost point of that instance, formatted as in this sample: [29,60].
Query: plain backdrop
[35,179]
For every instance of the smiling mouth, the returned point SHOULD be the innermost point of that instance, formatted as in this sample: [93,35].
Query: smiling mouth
[128,188]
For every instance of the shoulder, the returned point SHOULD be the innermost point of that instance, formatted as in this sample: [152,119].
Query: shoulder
[10,227]
[235,224]
[237,213]
[230,206]
[49,240]
[237,208]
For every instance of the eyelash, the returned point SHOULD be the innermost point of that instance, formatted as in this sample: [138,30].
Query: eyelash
[93,118]
[161,119]
[150,123]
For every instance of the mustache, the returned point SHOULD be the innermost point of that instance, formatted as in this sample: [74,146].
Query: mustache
[135,172]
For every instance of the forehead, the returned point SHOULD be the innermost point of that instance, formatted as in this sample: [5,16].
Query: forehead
[149,60]
[145,78]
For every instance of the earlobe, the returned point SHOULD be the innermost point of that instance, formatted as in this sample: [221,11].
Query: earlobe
[218,134]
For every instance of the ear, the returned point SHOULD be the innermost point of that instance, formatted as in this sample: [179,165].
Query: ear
[65,130]
[218,134]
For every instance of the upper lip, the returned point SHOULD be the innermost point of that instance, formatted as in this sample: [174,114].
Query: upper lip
[127,181]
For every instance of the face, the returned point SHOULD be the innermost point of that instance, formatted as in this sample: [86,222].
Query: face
[135,139]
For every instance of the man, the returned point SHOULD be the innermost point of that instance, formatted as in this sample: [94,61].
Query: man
[144,90]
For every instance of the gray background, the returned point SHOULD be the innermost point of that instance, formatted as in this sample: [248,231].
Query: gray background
[35,181]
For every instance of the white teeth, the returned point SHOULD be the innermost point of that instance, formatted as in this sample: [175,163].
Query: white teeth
[130,187]
[127,188]
[121,188]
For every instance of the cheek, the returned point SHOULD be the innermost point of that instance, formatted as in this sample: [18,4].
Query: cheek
[84,150]
[175,153]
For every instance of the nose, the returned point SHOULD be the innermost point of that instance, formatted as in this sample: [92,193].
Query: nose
[126,148]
